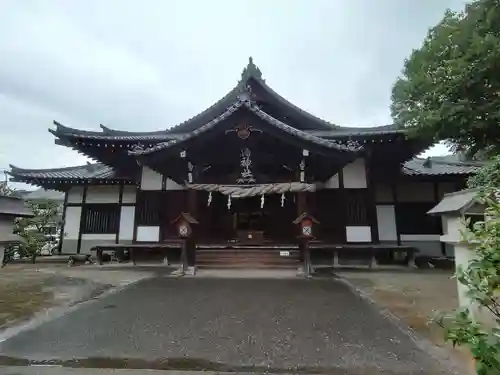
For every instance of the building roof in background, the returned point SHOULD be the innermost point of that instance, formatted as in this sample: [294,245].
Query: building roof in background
[43,194]
[440,165]
[14,206]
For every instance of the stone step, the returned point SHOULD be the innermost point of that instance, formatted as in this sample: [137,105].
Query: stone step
[246,258]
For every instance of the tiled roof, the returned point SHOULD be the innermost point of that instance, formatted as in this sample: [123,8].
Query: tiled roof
[250,72]
[14,206]
[415,167]
[346,131]
[44,194]
[457,202]
[250,75]
[85,172]
[440,166]
[243,101]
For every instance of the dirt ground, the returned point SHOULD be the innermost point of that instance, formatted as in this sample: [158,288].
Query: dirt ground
[416,298]
[27,290]
[22,293]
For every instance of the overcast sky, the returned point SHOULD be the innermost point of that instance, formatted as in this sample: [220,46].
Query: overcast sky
[150,64]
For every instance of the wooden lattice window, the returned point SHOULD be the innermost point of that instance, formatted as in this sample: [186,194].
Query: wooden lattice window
[100,218]
[356,207]
[149,206]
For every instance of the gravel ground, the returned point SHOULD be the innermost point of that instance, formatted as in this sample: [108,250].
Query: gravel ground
[239,324]
[415,298]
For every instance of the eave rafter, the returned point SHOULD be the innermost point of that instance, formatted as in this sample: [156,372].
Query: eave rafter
[61,178]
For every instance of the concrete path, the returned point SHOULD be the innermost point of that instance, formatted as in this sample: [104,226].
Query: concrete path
[49,370]
[229,324]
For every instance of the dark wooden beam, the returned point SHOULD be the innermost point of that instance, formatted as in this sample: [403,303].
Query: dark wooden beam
[82,220]
[63,222]
[372,208]
[120,204]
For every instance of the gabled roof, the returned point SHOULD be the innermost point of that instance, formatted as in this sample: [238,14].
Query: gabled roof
[458,202]
[243,101]
[440,166]
[250,77]
[251,73]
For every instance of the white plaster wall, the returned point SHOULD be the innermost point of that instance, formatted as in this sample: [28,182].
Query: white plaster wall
[127,223]
[383,194]
[149,234]
[72,222]
[150,180]
[75,194]
[355,175]
[172,185]
[129,194]
[98,236]
[463,255]
[452,227]
[415,192]
[358,234]
[102,194]
[332,182]
[386,220]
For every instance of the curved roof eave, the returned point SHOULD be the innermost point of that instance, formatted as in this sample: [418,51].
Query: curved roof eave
[116,132]
[244,101]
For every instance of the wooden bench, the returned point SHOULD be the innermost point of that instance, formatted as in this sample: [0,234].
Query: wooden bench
[119,249]
[368,252]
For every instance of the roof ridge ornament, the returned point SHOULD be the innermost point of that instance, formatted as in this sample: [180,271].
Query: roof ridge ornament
[251,70]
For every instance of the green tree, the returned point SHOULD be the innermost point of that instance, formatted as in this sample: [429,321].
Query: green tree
[34,230]
[7,191]
[488,176]
[449,88]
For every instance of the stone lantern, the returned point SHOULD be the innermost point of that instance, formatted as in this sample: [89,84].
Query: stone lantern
[10,208]
[454,208]
[184,224]
[306,224]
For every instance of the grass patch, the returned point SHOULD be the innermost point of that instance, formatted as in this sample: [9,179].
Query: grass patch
[21,301]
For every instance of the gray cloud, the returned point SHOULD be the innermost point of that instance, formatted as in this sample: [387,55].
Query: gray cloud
[152,64]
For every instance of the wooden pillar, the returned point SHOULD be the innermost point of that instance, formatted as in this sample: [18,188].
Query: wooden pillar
[396,210]
[192,206]
[436,201]
[371,206]
[63,222]
[120,203]
[301,202]
[83,217]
